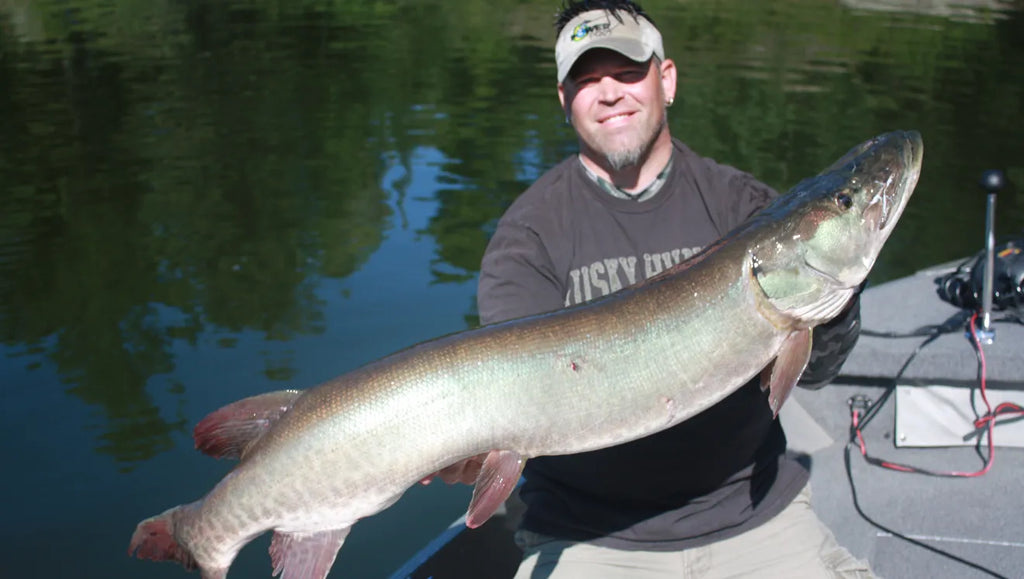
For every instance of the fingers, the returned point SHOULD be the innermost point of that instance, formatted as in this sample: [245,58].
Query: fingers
[465,471]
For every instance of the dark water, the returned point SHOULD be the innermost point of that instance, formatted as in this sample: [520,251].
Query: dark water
[204,200]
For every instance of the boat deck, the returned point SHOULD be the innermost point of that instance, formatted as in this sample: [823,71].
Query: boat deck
[962,526]
[923,526]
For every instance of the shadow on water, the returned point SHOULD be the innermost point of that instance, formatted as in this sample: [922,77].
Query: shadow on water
[205,200]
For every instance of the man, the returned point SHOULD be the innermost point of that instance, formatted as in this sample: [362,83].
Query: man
[716,495]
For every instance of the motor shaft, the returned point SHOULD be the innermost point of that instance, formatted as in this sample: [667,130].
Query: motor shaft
[992,181]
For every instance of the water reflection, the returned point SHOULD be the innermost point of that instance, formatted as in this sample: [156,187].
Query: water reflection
[206,200]
[975,11]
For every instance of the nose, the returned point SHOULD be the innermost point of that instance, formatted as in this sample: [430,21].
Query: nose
[609,90]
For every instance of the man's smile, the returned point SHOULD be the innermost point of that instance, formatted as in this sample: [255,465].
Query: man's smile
[615,118]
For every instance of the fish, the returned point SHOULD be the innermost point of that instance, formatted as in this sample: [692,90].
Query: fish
[314,462]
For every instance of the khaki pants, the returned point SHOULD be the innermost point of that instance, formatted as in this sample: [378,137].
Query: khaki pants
[795,544]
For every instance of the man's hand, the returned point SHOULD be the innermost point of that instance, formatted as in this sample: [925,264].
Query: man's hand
[465,471]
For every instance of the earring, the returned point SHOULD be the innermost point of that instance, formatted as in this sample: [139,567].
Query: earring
[669,102]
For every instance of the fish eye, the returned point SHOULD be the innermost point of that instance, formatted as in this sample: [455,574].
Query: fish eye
[843,200]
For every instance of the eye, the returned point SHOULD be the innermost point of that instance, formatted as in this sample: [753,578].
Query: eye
[631,76]
[584,81]
[843,200]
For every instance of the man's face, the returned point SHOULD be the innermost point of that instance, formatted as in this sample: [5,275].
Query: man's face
[617,105]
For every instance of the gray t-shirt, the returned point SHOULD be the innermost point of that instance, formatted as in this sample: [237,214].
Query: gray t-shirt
[565,241]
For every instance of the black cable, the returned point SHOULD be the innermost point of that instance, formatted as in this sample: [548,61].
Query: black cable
[932,334]
[875,407]
[955,323]
[898,535]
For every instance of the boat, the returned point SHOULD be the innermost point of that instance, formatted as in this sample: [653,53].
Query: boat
[887,489]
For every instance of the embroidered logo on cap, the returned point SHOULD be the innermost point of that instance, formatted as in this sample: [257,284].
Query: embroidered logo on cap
[583,29]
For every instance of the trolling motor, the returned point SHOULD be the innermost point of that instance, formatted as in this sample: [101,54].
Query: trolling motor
[995,276]
[992,182]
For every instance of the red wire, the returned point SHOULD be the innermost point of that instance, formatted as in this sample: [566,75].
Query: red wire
[987,421]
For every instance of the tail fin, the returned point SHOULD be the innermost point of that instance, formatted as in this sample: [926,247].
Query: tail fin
[154,540]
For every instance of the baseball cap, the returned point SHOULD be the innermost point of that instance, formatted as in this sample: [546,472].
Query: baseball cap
[635,37]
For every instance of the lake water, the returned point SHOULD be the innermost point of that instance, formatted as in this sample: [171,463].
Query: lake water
[201,201]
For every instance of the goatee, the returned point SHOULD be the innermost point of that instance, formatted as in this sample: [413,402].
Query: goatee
[619,160]
[635,155]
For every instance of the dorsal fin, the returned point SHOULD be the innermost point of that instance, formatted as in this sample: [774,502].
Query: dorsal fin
[229,431]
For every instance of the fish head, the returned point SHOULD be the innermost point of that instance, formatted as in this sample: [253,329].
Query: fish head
[822,238]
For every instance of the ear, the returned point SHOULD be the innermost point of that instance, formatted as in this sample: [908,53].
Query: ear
[668,78]
[562,98]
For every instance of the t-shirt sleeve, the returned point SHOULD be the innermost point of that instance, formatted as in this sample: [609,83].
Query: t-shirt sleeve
[750,196]
[732,196]
[517,276]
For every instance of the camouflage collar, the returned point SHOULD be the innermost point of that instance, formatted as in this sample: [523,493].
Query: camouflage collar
[642,195]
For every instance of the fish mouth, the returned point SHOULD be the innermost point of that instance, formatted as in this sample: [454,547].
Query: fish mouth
[880,208]
[888,204]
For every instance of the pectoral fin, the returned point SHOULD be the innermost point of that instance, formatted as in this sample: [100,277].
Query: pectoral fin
[305,556]
[497,480]
[789,364]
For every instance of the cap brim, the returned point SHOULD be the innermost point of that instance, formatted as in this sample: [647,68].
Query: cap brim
[627,47]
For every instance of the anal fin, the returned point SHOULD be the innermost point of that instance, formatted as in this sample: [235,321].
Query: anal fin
[229,431]
[305,555]
[498,478]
